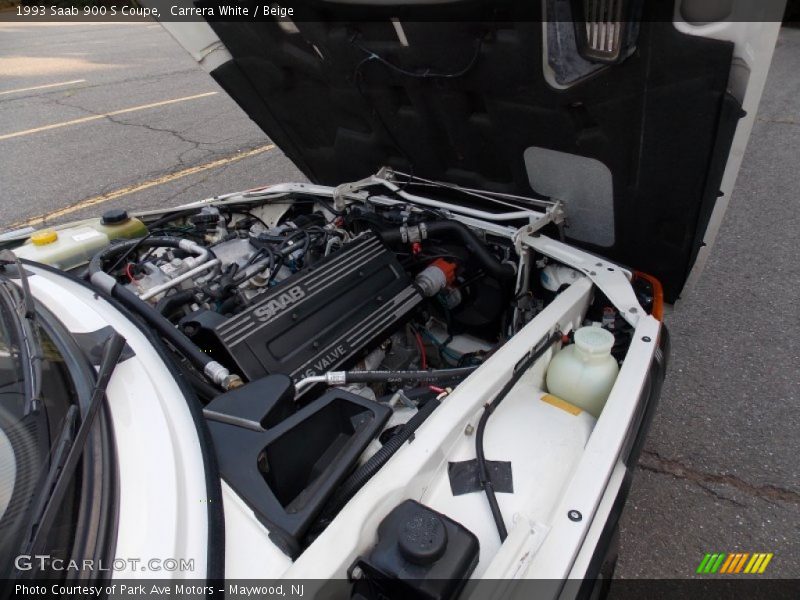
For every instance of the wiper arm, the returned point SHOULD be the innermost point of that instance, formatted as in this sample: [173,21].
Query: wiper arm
[67,455]
[58,458]
[26,330]
[7,257]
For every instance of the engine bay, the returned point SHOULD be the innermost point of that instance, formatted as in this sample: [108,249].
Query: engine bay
[297,287]
[321,327]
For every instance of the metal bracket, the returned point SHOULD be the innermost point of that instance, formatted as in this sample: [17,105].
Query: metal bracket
[342,191]
[611,279]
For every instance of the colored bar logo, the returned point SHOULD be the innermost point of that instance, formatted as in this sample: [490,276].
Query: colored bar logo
[735,563]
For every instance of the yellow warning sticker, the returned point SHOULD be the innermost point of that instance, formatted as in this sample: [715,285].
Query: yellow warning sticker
[562,404]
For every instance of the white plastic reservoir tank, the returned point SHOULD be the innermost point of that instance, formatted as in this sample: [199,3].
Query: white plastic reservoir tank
[583,373]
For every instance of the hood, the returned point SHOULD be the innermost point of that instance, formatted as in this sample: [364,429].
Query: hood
[635,141]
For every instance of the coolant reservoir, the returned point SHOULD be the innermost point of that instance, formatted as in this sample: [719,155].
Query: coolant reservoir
[64,249]
[583,373]
[72,247]
[116,224]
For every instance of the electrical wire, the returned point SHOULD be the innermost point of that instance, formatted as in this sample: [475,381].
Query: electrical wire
[172,216]
[423,357]
[122,259]
[442,347]
[425,74]
[129,272]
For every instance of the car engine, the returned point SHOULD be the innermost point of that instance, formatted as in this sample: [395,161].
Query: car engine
[302,291]
[320,332]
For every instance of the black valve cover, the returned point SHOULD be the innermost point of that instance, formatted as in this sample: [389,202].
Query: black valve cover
[323,315]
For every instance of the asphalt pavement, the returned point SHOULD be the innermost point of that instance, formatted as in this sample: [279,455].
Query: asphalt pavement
[721,468]
[129,120]
[118,67]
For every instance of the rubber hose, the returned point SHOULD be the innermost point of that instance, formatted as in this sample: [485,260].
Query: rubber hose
[116,250]
[483,469]
[172,217]
[228,306]
[162,325]
[205,391]
[168,304]
[433,228]
[364,473]
[398,376]
[485,479]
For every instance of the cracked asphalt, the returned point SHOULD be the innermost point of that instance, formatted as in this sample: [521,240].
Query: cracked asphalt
[125,66]
[720,471]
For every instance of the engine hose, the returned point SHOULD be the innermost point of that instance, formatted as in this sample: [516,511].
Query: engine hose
[483,470]
[493,266]
[202,361]
[120,248]
[344,377]
[254,268]
[400,376]
[228,306]
[265,240]
[204,391]
[168,304]
[173,216]
[364,473]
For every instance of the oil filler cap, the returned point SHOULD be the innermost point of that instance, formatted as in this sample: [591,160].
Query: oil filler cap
[422,538]
[114,216]
[42,238]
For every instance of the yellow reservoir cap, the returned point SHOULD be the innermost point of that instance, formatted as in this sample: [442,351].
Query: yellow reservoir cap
[42,238]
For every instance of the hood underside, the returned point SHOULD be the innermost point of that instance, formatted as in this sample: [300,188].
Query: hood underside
[635,150]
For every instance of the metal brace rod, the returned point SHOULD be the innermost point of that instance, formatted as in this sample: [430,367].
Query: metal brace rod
[611,279]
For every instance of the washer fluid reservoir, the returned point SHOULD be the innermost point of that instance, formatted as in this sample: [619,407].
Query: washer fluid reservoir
[583,373]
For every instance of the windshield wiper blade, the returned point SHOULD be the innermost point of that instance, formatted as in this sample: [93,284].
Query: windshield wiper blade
[24,309]
[62,469]
[58,458]
[7,257]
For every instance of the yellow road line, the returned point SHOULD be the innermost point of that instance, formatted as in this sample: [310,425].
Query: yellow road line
[8,136]
[42,87]
[138,187]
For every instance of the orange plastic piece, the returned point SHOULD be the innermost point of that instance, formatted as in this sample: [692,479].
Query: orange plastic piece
[658,294]
[446,267]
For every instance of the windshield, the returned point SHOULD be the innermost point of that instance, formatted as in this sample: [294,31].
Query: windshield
[27,441]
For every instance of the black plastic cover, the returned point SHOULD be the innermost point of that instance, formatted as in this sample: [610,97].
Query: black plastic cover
[661,121]
[319,318]
[420,554]
[266,401]
[287,472]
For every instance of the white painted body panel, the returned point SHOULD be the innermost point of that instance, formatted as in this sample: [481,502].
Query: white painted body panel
[560,461]
[252,552]
[162,489]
